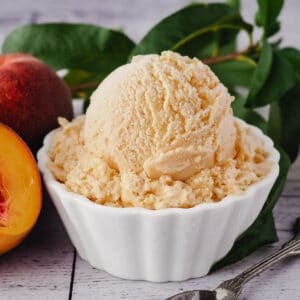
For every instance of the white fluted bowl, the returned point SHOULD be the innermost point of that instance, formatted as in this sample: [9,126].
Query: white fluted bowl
[172,244]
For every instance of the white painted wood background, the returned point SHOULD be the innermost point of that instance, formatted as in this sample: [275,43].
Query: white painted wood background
[46,266]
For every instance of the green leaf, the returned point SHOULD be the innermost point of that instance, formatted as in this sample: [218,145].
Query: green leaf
[72,46]
[235,3]
[281,78]
[261,73]
[293,56]
[184,26]
[262,231]
[248,115]
[266,16]
[237,72]
[206,45]
[275,123]
[211,43]
[273,29]
[290,110]
[226,28]
[284,122]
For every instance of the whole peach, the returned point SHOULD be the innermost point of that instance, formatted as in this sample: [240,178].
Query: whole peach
[32,96]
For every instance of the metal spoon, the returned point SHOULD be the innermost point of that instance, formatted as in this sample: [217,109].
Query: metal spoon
[230,289]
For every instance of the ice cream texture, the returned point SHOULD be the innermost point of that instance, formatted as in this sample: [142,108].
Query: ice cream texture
[159,133]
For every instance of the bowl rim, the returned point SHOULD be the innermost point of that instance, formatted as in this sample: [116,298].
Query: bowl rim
[274,156]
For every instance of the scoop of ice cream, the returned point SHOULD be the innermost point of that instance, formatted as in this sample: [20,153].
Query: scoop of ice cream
[164,115]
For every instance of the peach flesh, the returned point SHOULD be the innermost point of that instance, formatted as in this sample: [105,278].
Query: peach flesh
[3,203]
[20,190]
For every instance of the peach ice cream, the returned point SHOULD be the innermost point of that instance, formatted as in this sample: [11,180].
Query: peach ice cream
[159,133]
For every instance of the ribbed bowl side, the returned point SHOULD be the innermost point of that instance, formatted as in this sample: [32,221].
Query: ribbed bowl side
[156,248]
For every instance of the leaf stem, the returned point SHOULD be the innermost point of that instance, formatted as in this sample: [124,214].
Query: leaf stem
[222,58]
[209,61]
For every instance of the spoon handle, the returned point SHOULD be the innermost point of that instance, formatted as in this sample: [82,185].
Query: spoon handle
[290,248]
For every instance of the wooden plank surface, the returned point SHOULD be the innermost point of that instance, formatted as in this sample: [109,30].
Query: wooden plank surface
[41,267]
[277,283]
[45,267]
[280,282]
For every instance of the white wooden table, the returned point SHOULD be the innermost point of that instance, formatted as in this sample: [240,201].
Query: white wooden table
[46,265]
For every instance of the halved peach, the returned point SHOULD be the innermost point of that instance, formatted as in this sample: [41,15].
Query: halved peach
[20,189]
